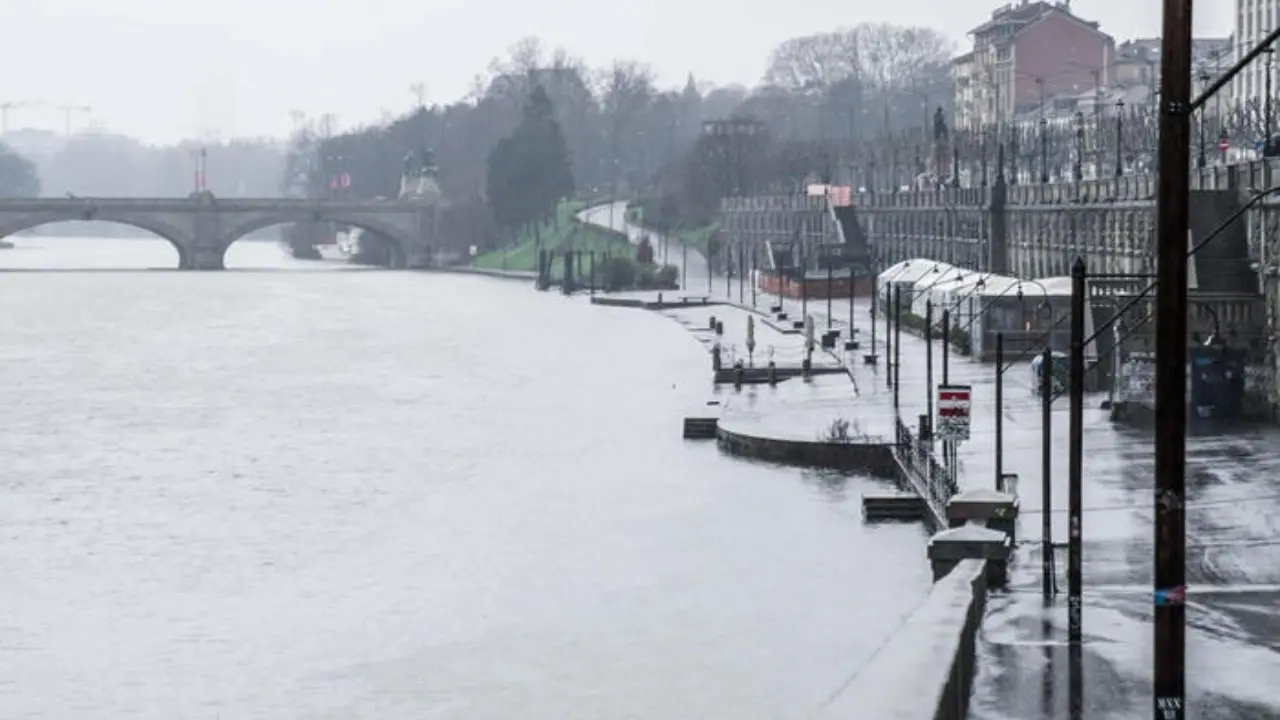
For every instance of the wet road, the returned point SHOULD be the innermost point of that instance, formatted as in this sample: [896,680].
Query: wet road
[292,494]
[1233,528]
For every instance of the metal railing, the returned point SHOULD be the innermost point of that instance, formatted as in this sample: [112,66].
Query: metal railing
[937,481]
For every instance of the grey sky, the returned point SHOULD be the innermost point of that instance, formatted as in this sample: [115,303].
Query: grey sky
[165,69]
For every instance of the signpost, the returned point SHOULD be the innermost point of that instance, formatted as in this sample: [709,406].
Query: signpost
[954,403]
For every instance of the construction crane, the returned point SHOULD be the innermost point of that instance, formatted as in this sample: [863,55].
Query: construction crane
[5,107]
[68,111]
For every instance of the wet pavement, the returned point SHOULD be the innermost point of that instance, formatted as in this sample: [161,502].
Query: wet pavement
[794,409]
[1233,556]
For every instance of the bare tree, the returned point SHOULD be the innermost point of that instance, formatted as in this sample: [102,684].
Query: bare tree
[627,89]
[894,56]
[811,60]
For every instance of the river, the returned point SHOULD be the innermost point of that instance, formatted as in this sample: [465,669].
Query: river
[286,494]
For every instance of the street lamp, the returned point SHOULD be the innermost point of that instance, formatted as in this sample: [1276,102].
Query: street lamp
[1014,132]
[1044,151]
[1079,166]
[1204,82]
[1119,137]
[984,132]
[888,316]
[1266,113]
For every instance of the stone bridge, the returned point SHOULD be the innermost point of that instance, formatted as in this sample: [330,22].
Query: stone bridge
[201,227]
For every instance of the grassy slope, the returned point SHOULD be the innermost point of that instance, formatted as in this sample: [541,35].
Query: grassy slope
[695,238]
[570,233]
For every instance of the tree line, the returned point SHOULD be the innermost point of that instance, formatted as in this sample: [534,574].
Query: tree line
[625,137]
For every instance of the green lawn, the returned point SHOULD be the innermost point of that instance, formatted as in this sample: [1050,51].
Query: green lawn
[562,234]
[695,238]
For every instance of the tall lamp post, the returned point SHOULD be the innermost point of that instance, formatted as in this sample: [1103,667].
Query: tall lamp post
[1079,164]
[1266,108]
[1204,82]
[1120,137]
[1044,151]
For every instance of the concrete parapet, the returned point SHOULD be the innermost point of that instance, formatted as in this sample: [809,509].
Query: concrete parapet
[925,670]
[971,541]
[872,458]
[989,508]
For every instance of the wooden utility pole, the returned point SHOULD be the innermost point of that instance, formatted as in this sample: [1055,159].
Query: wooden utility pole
[1173,189]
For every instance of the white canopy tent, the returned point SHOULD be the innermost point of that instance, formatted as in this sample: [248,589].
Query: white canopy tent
[1058,286]
[995,285]
[931,287]
[907,274]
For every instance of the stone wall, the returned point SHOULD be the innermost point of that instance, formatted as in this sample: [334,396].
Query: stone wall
[748,223]
[1037,230]
[925,670]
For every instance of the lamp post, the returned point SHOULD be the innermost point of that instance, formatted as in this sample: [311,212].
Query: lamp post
[1075,492]
[897,346]
[1204,82]
[1266,111]
[1013,154]
[1046,449]
[984,156]
[928,369]
[1044,151]
[1000,412]
[1119,137]
[1079,165]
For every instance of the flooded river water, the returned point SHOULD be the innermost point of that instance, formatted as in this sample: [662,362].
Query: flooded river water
[290,492]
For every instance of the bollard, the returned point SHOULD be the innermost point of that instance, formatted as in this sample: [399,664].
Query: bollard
[720,327]
[712,326]
[806,365]
[739,376]
[926,429]
[773,373]
[659,299]
[715,358]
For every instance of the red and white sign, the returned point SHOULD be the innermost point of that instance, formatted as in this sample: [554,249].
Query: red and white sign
[954,404]
[1224,144]
[840,195]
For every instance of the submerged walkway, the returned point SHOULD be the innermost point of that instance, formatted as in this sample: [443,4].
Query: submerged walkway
[1233,523]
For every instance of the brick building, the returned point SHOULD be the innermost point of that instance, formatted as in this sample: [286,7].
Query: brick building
[1027,52]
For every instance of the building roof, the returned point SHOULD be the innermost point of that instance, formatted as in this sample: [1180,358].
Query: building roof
[1026,13]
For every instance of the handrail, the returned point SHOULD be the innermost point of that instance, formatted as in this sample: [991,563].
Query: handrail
[939,483]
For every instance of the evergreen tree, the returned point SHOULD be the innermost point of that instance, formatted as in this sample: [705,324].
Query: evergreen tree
[503,180]
[18,176]
[543,155]
[529,172]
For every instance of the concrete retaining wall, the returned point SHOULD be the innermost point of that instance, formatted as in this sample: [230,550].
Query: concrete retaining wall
[870,457]
[925,671]
[524,275]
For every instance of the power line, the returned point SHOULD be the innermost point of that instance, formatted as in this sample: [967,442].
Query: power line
[1189,506]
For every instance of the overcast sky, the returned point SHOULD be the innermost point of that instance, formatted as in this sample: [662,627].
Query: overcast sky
[167,69]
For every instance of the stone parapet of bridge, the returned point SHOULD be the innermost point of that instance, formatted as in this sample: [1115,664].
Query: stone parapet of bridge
[201,227]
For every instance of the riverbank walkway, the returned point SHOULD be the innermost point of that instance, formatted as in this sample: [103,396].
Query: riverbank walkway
[1233,519]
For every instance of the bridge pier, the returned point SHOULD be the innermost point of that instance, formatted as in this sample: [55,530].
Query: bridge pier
[204,258]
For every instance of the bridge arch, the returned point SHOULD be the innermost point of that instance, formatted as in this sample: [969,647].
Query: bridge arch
[399,241]
[177,237]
